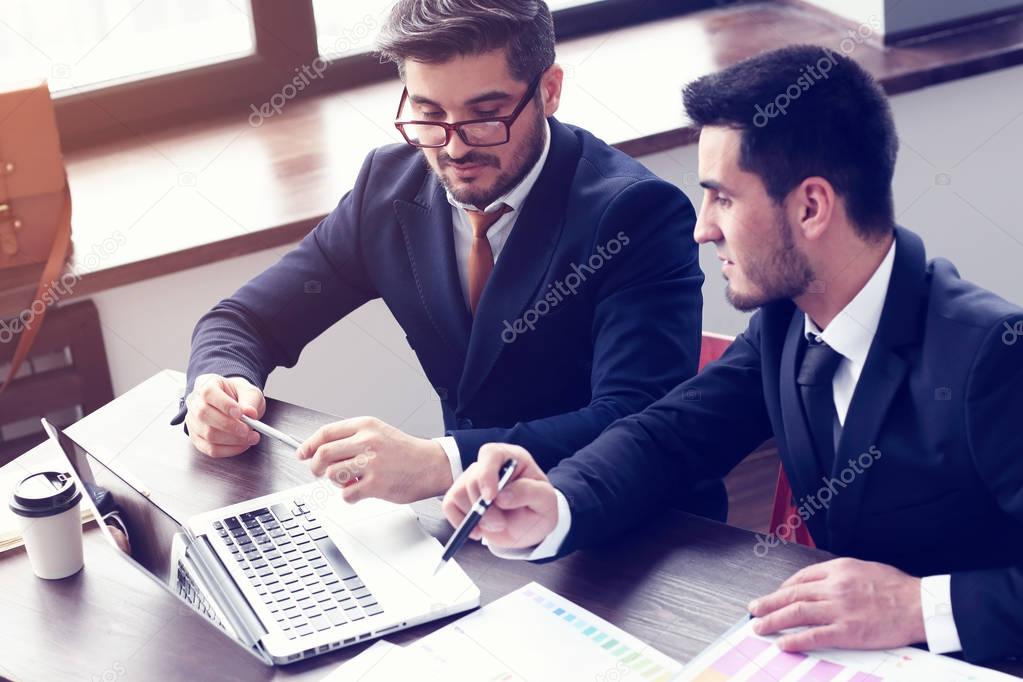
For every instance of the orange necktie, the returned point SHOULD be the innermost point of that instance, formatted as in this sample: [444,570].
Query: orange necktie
[481,257]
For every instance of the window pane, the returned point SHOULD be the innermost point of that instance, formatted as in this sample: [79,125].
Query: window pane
[346,27]
[82,43]
[555,5]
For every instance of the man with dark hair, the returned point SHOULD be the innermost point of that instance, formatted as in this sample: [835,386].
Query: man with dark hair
[548,283]
[886,379]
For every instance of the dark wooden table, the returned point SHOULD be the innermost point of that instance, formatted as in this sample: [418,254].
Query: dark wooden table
[677,587]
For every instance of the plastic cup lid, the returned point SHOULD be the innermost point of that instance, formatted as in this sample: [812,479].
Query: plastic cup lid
[45,494]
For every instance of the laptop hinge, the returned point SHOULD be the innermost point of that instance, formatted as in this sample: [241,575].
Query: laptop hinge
[229,598]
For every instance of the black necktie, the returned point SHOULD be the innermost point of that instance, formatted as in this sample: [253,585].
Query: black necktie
[814,378]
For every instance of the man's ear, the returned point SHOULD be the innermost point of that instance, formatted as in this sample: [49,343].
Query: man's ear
[550,89]
[813,206]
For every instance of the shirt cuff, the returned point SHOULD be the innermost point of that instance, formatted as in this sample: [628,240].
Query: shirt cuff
[114,519]
[454,456]
[939,625]
[551,544]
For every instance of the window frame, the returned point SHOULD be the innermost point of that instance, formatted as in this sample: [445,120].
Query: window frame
[285,39]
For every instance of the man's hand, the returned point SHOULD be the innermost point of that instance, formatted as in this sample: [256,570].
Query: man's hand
[522,515]
[367,458]
[848,604]
[119,538]
[214,408]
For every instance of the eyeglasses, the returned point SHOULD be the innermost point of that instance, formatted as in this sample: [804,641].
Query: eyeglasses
[477,132]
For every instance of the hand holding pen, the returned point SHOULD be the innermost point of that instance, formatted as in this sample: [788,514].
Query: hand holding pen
[522,514]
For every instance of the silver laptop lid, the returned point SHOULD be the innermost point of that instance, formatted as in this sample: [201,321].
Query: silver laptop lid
[151,530]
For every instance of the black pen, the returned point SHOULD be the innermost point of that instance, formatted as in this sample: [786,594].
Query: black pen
[473,517]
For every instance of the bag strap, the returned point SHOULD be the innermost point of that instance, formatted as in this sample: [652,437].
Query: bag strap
[51,271]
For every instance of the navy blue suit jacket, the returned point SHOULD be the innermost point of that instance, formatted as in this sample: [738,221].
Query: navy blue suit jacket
[629,333]
[929,472]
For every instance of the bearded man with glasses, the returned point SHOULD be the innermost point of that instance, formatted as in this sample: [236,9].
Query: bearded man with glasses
[548,283]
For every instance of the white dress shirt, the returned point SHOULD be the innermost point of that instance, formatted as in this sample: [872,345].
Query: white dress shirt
[497,235]
[850,334]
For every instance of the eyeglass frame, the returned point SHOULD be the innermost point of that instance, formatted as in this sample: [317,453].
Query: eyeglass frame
[455,127]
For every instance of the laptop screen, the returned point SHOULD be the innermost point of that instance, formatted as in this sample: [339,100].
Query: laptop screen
[150,530]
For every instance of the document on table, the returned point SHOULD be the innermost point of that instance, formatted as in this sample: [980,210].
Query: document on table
[386,661]
[530,635]
[742,655]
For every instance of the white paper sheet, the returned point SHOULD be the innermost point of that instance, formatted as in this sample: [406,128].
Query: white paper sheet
[530,635]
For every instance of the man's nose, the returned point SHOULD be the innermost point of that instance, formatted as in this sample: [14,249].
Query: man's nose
[706,230]
[456,147]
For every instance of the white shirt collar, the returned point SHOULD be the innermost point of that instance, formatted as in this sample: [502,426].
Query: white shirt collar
[852,331]
[516,196]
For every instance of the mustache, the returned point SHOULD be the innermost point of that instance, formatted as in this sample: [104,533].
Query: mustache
[472,158]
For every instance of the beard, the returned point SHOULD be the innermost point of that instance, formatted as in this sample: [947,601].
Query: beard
[784,273]
[519,166]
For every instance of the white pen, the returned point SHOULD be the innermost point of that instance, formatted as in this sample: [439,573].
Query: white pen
[271,432]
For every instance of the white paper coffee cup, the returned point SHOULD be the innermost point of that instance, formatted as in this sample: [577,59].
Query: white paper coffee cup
[51,523]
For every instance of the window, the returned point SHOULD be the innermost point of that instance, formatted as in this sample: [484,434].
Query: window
[344,28]
[123,67]
[75,44]
[348,27]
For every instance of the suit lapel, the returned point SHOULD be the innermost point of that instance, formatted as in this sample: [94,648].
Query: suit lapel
[429,240]
[800,463]
[523,262]
[882,376]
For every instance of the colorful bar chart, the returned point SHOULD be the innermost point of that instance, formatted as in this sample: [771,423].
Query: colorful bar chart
[627,655]
[743,656]
[746,660]
[536,635]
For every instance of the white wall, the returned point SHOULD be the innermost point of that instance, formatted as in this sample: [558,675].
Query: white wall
[900,16]
[869,12]
[912,15]
[957,184]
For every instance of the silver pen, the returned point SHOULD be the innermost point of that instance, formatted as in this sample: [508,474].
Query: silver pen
[271,432]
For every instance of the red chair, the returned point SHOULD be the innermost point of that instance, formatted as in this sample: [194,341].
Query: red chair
[712,348]
[782,510]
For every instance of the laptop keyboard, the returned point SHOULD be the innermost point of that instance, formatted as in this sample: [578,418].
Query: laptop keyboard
[194,596]
[297,570]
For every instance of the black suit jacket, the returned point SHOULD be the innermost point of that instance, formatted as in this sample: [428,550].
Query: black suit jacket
[593,310]
[929,471]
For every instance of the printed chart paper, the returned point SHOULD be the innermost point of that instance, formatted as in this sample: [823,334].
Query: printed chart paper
[742,656]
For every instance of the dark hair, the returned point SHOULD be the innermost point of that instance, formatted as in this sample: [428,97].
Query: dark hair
[434,31]
[808,111]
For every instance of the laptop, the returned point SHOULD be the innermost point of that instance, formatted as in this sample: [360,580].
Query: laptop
[290,575]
